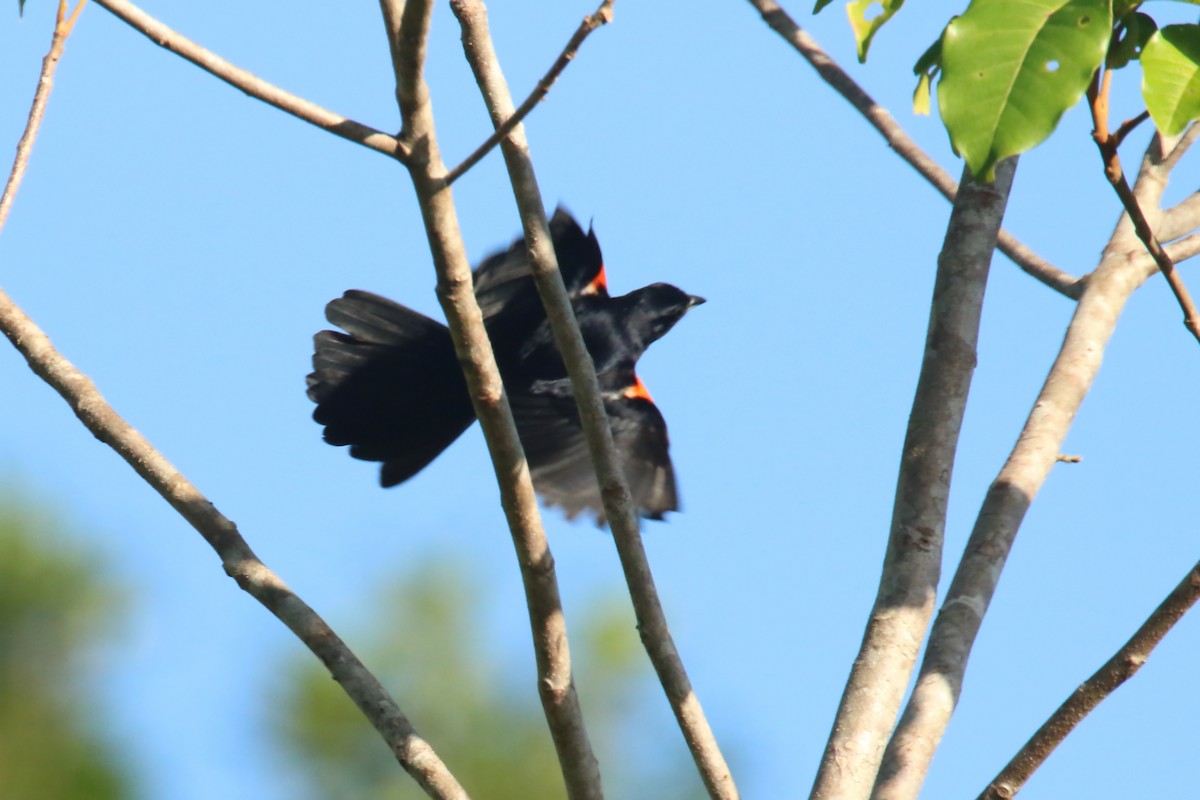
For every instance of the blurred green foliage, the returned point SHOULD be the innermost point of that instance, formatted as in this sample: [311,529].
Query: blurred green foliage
[471,695]
[55,606]
[481,714]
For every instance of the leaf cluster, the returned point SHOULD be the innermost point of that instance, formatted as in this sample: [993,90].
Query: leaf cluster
[1007,71]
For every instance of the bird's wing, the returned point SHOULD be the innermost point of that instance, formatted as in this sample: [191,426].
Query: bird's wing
[562,468]
[503,279]
[375,328]
[389,387]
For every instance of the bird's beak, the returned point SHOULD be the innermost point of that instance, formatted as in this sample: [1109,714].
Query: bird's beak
[693,300]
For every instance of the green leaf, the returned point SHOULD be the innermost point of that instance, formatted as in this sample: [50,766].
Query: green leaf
[1171,77]
[1010,70]
[865,29]
[926,69]
[21,8]
[1129,38]
[921,96]
[820,5]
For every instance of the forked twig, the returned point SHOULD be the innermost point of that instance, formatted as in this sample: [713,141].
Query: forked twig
[407,25]
[879,118]
[253,85]
[618,504]
[1130,658]
[239,561]
[952,637]
[1108,143]
[601,16]
[1127,127]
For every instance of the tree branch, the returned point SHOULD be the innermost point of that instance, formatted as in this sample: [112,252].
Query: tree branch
[939,683]
[912,564]
[407,26]
[602,16]
[1181,219]
[1121,667]
[829,71]
[239,561]
[63,26]
[251,84]
[1108,144]
[618,504]
[1182,144]
[1185,248]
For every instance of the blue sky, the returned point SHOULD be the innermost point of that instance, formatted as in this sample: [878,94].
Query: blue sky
[178,241]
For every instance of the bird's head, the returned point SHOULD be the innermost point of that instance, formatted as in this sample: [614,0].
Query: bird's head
[654,309]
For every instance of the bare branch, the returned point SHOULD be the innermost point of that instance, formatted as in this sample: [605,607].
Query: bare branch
[939,683]
[829,71]
[1181,147]
[1181,219]
[618,504]
[912,564]
[602,16]
[251,84]
[239,561]
[408,25]
[1191,315]
[58,40]
[410,21]
[1107,144]
[1121,667]
[1182,250]
[1035,266]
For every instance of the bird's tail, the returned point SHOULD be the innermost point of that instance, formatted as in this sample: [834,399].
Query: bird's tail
[390,386]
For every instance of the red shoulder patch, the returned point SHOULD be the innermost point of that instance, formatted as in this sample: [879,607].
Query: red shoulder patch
[638,391]
[599,284]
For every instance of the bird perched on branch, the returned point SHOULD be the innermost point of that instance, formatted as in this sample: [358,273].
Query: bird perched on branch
[390,385]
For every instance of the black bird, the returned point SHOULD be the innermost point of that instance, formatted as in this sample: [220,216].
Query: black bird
[391,388]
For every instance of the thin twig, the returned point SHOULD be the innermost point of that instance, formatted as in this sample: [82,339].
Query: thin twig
[956,627]
[1127,127]
[239,561]
[591,22]
[1121,667]
[912,563]
[407,25]
[251,84]
[618,504]
[879,118]
[1107,143]
[63,25]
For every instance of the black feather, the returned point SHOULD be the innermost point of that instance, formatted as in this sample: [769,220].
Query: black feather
[391,388]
